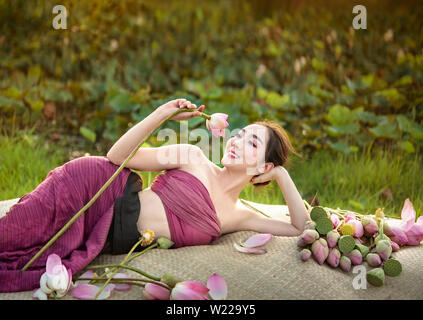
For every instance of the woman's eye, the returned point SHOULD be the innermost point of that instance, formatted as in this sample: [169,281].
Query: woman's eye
[253,144]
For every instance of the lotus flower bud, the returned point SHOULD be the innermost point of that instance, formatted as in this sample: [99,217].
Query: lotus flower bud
[311,225]
[305,254]
[381,236]
[345,263]
[309,236]
[301,243]
[370,226]
[332,238]
[335,220]
[373,260]
[333,257]
[358,228]
[320,250]
[384,249]
[395,246]
[355,257]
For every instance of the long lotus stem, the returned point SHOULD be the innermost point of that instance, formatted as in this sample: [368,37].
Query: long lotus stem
[125,267]
[104,187]
[125,260]
[250,206]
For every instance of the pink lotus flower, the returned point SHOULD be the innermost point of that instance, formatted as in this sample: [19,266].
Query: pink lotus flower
[56,281]
[217,124]
[189,290]
[413,230]
[358,228]
[153,291]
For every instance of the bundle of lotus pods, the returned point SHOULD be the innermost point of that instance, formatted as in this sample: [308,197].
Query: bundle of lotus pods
[344,238]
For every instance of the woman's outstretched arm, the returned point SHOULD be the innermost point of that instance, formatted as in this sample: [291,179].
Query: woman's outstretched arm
[294,201]
[252,220]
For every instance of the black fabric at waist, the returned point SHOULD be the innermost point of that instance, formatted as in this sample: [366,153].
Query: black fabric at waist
[123,232]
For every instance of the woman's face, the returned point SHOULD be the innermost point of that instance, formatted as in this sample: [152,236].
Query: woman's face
[246,150]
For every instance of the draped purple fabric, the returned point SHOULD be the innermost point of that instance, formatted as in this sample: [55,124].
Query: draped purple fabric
[39,215]
[189,209]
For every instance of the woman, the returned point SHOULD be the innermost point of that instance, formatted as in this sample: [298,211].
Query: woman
[193,202]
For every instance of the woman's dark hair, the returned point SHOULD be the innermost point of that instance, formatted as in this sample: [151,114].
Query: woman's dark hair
[278,146]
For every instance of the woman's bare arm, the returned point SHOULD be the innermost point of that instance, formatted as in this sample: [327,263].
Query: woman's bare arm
[294,201]
[124,146]
[252,220]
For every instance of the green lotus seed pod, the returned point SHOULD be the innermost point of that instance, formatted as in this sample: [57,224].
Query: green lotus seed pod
[346,244]
[164,243]
[170,280]
[310,225]
[318,212]
[363,249]
[324,225]
[392,267]
[376,277]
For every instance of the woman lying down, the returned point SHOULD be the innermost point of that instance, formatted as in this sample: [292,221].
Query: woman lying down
[193,202]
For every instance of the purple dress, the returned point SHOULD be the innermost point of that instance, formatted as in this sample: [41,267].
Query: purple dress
[39,215]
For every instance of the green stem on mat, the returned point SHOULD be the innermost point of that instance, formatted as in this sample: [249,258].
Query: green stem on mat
[104,187]
[250,206]
[124,267]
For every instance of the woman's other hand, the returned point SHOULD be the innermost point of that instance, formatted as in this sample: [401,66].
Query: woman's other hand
[268,176]
[170,107]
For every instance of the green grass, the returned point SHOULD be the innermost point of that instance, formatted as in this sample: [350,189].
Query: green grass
[362,182]
[24,163]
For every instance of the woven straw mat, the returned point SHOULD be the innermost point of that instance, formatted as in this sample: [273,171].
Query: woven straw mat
[278,274]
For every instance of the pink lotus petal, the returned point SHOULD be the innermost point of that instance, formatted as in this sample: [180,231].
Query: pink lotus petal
[249,250]
[153,291]
[217,286]
[88,291]
[70,279]
[420,220]
[195,285]
[414,234]
[335,220]
[39,294]
[189,290]
[408,214]
[399,235]
[53,265]
[257,240]
[121,286]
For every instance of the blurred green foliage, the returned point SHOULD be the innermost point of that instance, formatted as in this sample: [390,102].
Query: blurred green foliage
[297,62]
